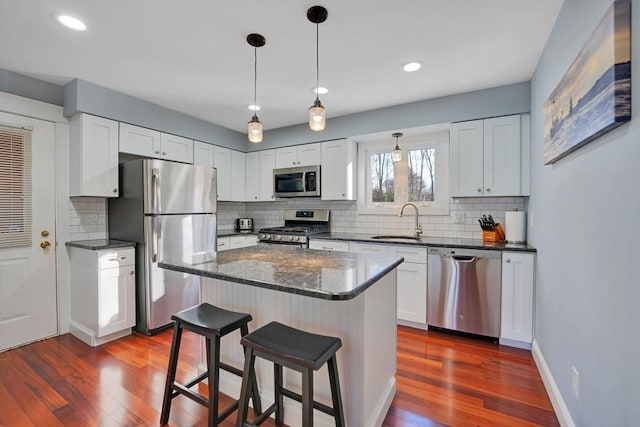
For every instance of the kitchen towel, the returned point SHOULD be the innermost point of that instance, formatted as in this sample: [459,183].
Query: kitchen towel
[515,223]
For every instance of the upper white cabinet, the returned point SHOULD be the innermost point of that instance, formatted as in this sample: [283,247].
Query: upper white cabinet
[230,167]
[93,157]
[151,143]
[237,176]
[259,175]
[486,158]
[339,169]
[299,155]
[202,154]
[176,148]
[222,163]
[517,297]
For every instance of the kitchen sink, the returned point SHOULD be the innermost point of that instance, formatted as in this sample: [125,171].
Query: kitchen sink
[390,237]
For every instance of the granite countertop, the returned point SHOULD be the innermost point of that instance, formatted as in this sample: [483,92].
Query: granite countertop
[97,244]
[428,241]
[317,274]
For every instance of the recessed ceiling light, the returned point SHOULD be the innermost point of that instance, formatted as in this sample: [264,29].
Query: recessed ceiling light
[254,107]
[71,22]
[410,67]
[320,90]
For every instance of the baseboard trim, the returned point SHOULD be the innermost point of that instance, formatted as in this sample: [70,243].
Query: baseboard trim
[560,408]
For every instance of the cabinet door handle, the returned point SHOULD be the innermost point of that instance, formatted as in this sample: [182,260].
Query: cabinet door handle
[164,153]
[115,190]
[157,152]
[132,272]
[508,260]
[479,190]
[488,189]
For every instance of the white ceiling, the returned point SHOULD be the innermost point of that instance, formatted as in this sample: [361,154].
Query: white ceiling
[192,55]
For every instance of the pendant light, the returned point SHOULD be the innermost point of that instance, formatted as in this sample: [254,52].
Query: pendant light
[396,154]
[254,128]
[317,113]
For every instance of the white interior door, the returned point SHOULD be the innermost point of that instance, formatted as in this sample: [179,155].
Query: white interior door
[27,272]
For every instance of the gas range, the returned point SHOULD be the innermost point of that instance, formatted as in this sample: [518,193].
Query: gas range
[298,226]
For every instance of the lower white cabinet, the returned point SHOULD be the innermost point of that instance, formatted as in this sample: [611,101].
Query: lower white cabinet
[237,241]
[517,298]
[412,279]
[329,245]
[102,294]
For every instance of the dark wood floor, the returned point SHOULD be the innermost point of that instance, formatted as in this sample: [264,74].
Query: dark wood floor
[441,380]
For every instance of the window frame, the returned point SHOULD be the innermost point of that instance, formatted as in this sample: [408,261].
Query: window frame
[438,140]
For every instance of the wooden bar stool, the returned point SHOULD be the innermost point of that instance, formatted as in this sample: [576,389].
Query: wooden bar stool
[212,323]
[298,350]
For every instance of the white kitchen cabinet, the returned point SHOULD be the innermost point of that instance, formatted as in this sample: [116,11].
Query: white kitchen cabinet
[152,143]
[93,157]
[176,148]
[237,241]
[411,279]
[412,283]
[517,298]
[339,169]
[299,155]
[222,163]
[259,175]
[329,245]
[102,294]
[237,176]
[202,154]
[485,158]
[230,167]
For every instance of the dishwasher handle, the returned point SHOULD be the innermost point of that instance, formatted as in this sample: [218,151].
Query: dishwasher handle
[464,258]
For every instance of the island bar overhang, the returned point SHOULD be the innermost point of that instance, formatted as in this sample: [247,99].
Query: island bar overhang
[351,296]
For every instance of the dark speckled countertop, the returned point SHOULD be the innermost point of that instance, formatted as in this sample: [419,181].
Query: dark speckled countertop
[97,244]
[441,242]
[317,274]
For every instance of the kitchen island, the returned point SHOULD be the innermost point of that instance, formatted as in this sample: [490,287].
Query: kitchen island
[351,296]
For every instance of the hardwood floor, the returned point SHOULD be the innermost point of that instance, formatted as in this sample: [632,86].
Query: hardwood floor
[441,380]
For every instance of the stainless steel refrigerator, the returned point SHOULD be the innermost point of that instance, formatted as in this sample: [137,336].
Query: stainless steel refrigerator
[169,210]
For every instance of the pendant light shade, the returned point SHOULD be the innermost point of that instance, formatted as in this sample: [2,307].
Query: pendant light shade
[317,112]
[254,127]
[254,130]
[396,154]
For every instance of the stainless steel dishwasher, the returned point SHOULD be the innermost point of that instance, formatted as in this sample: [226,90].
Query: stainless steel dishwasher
[464,290]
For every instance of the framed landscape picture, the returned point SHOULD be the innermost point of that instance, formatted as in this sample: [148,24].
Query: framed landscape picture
[594,95]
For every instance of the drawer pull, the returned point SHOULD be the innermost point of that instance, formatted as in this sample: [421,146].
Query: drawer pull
[116,259]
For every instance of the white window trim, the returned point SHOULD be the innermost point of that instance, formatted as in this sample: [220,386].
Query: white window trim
[438,140]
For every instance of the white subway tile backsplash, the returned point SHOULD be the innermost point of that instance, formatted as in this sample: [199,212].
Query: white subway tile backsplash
[345,217]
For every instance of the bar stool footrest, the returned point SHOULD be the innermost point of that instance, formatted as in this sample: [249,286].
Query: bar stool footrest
[316,405]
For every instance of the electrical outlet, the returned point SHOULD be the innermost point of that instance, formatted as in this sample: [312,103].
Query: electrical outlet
[458,217]
[575,382]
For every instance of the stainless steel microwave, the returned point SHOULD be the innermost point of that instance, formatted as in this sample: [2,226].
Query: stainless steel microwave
[301,181]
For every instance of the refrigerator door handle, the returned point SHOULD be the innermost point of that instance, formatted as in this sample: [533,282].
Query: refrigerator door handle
[155,190]
[155,234]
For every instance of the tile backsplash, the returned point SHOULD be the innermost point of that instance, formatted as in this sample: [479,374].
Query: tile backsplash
[345,217]
[87,218]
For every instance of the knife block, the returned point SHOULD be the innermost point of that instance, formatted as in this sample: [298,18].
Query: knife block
[495,235]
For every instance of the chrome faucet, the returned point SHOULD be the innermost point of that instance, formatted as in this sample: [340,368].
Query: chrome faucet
[418,230]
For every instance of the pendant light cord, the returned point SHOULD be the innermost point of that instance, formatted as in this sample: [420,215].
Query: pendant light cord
[255,78]
[317,60]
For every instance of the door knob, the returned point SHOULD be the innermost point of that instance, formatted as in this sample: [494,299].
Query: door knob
[44,233]
[45,244]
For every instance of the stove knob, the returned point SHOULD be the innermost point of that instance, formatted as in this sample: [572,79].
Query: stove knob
[277,237]
[261,236]
[267,236]
[291,238]
[296,238]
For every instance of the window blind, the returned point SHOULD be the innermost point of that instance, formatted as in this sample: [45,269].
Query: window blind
[15,187]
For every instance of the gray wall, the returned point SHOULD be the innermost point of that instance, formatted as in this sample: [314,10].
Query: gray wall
[84,97]
[586,230]
[18,84]
[500,101]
